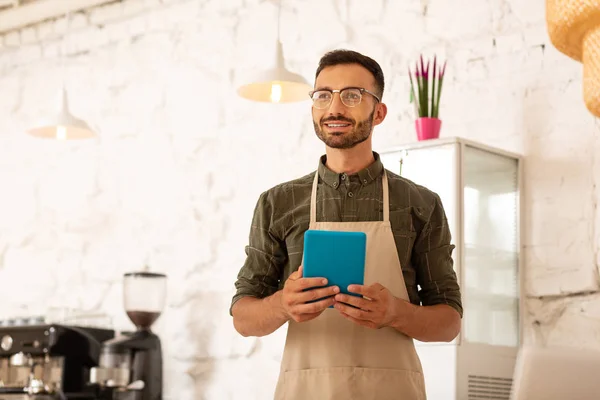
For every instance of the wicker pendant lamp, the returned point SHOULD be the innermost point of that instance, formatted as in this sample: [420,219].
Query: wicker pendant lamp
[574,29]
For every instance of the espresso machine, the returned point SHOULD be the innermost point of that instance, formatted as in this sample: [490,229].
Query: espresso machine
[49,361]
[130,365]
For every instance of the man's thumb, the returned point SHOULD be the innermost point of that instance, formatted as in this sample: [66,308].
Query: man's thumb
[297,274]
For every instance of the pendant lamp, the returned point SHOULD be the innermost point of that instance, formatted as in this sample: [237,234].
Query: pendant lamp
[574,29]
[277,84]
[62,125]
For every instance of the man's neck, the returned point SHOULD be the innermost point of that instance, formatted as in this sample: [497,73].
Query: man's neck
[351,160]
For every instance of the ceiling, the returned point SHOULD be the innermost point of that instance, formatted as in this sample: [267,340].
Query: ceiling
[17,14]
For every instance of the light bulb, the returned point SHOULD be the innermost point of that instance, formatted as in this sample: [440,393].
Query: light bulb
[275,92]
[61,132]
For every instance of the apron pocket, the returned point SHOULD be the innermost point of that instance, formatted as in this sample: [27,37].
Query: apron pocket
[384,384]
[353,383]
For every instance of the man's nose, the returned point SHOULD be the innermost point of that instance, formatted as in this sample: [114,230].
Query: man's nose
[336,106]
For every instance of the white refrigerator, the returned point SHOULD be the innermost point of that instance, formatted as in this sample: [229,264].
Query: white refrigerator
[480,188]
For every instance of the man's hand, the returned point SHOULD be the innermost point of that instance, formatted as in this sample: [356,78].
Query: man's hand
[377,309]
[295,295]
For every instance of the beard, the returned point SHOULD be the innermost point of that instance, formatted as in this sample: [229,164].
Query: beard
[345,140]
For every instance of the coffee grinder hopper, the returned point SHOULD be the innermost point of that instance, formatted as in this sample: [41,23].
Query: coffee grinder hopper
[144,297]
[133,361]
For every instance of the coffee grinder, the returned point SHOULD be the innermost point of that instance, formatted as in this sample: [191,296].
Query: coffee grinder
[130,366]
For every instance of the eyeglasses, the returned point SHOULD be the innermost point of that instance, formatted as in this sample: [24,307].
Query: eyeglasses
[351,97]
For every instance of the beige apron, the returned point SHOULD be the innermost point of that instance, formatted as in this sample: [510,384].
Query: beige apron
[331,357]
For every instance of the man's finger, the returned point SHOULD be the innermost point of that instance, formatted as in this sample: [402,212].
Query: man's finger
[366,291]
[308,283]
[371,292]
[355,301]
[312,308]
[297,274]
[353,312]
[316,294]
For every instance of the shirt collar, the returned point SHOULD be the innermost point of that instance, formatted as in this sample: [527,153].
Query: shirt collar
[366,175]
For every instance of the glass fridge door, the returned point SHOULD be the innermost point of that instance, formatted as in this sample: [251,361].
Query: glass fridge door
[491,273]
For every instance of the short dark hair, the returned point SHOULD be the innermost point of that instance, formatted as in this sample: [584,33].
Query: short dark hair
[342,56]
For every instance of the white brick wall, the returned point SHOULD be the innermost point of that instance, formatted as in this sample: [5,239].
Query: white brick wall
[181,160]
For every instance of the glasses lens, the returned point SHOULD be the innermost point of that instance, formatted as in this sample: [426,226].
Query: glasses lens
[321,98]
[351,97]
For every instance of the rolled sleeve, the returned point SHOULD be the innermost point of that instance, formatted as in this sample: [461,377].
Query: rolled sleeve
[265,255]
[432,257]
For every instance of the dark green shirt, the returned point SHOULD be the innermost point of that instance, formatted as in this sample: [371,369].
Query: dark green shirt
[417,217]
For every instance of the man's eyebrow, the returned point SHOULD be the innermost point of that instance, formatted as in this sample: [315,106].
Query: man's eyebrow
[329,88]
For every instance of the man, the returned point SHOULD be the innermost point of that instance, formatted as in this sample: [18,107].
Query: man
[363,347]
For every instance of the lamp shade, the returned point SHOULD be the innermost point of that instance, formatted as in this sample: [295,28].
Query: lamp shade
[276,85]
[63,125]
[574,29]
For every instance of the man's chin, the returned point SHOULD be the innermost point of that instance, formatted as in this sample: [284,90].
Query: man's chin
[338,144]
[336,140]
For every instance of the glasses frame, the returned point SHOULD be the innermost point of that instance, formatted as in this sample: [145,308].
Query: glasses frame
[333,91]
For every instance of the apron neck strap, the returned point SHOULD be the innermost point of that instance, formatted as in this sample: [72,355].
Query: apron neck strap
[313,199]
[386,198]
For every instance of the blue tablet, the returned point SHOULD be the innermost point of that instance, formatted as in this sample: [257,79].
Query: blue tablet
[335,255]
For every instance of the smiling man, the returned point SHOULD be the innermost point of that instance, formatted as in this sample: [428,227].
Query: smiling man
[362,348]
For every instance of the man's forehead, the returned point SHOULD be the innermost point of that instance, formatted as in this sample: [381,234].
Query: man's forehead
[344,75]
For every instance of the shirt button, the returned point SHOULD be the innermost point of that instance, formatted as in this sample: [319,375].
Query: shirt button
[335,184]
[350,194]
[343,177]
[365,181]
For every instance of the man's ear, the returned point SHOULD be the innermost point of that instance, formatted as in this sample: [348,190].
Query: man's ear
[380,113]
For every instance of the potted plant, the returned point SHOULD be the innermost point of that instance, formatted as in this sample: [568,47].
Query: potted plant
[426,97]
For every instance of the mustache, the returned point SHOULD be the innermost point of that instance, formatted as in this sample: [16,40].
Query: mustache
[344,119]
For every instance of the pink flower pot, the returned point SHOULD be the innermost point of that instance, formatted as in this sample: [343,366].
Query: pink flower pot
[428,128]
